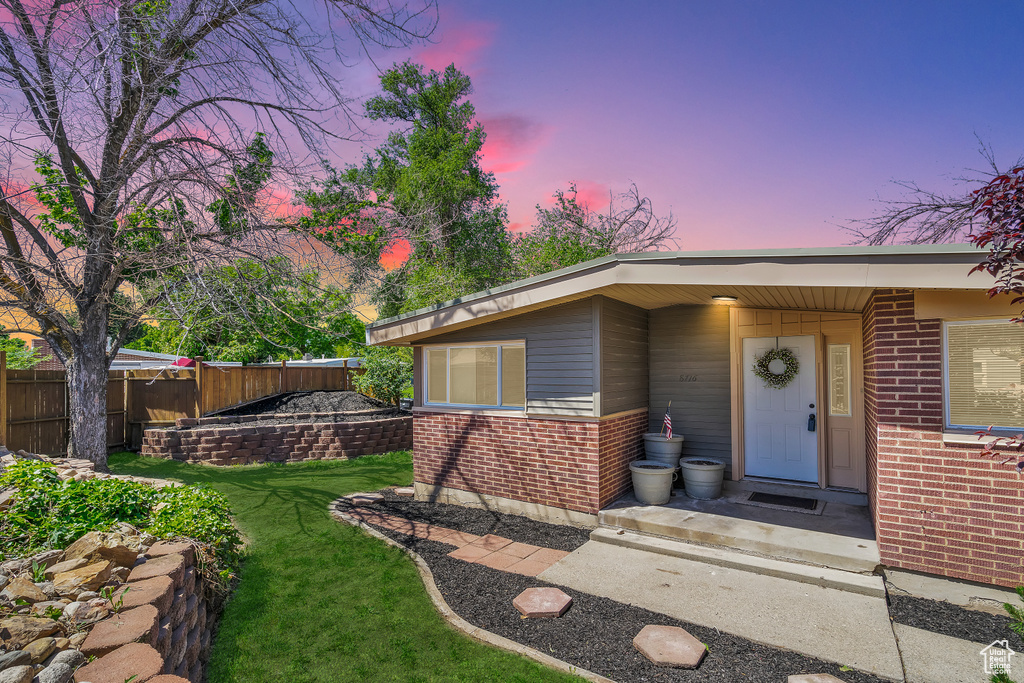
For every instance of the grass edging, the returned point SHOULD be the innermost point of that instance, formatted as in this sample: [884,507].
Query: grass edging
[457,622]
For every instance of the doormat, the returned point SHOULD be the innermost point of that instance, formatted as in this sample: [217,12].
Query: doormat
[806,506]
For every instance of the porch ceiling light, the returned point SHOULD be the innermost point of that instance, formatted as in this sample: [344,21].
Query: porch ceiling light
[727,298]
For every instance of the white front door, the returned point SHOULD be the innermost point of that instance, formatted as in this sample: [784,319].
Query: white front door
[776,440]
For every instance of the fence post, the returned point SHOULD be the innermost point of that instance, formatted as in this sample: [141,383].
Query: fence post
[284,377]
[199,386]
[3,398]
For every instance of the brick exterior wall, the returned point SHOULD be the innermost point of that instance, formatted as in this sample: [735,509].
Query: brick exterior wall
[940,509]
[234,443]
[622,441]
[562,463]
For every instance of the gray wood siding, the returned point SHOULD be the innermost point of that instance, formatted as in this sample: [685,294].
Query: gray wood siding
[559,355]
[624,357]
[692,343]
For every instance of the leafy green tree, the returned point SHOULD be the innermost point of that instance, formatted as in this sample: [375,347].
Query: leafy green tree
[19,355]
[571,232]
[251,312]
[422,191]
[387,373]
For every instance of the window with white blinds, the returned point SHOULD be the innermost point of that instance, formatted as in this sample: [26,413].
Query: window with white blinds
[984,374]
[479,376]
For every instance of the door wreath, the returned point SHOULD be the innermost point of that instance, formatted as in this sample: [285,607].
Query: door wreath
[776,368]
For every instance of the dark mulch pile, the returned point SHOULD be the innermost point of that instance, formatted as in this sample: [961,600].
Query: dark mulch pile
[952,620]
[325,406]
[312,402]
[596,633]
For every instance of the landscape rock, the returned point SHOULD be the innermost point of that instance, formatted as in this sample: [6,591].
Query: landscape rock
[77,639]
[86,596]
[39,609]
[4,580]
[48,589]
[55,673]
[23,589]
[70,658]
[100,545]
[87,578]
[84,612]
[17,674]
[16,658]
[15,567]
[813,678]
[19,631]
[65,566]
[40,649]
[46,558]
[6,498]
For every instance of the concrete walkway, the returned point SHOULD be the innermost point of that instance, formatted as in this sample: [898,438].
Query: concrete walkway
[841,626]
[837,626]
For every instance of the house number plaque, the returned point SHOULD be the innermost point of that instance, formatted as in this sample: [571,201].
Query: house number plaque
[687,378]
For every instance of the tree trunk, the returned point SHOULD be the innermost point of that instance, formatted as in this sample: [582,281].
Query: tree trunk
[87,394]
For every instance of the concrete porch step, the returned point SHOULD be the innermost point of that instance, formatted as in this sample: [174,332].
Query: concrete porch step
[717,524]
[864,584]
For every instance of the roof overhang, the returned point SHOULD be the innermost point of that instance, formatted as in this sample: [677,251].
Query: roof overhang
[839,279]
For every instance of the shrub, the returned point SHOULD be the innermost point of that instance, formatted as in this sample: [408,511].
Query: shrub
[49,513]
[388,372]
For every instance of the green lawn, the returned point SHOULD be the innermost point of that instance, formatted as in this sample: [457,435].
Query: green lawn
[321,601]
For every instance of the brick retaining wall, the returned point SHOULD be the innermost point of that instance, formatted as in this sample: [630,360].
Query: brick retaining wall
[563,463]
[938,508]
[234,443]
[164,627]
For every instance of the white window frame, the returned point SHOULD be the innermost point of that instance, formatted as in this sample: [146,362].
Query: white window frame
[946,417]
[519,343]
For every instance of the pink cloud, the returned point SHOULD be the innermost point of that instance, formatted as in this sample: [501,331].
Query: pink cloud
[461,45]
[511,142]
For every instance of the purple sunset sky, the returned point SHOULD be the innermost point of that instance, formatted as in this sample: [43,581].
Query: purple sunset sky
[757,124]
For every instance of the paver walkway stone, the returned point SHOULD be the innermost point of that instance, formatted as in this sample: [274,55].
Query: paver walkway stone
[496,552]
[670,646]
[813,678]
[542,603]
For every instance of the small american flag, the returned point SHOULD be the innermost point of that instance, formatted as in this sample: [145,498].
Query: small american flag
[667,428]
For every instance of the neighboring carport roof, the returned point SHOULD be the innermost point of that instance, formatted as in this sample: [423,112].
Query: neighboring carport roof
[835,278]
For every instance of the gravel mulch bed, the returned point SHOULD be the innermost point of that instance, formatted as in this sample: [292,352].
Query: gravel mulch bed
[596,633]
[312,402]
[482,522]
[952,620]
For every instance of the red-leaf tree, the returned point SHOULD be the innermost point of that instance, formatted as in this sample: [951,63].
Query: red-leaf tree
[1000,206]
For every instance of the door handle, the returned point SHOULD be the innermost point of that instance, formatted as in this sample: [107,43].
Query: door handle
[812,422]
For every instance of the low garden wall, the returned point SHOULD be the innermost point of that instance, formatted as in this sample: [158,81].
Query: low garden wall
[233,440]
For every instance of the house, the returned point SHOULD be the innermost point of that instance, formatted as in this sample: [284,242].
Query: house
[126,359]
[533,397]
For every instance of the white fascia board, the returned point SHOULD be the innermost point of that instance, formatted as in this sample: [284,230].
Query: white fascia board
[934,271]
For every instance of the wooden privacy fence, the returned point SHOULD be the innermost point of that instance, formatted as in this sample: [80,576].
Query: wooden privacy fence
[34,414]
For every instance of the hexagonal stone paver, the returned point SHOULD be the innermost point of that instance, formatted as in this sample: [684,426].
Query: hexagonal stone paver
[363,498]
[540,603]
[669,646]
[405,491]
